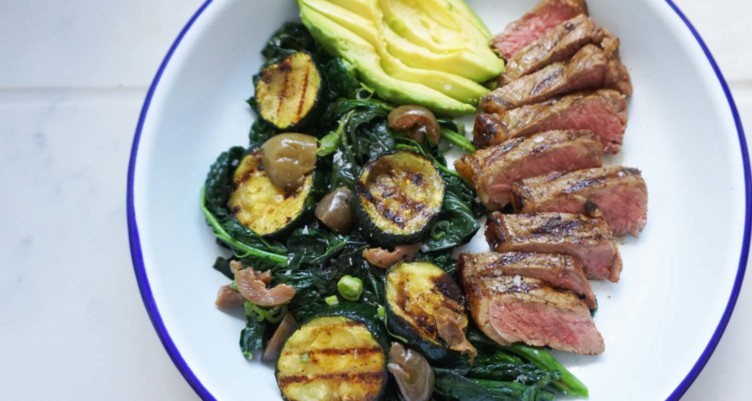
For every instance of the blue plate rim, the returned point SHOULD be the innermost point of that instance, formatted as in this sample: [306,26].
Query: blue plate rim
[172,350]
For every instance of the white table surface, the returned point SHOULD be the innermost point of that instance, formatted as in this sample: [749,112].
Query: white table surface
[73,75]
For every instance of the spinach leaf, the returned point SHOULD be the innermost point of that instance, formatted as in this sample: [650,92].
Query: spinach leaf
[361,135]
[501,367]
[222,265]
[455,386]
[458,222]
[312,246]
[291,37]
[340,79]
[252,336]
[260,132]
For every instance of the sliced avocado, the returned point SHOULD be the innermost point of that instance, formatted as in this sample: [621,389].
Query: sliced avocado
[361,54]
[456,86]
[420,29]
[461,8]
[460,61]
[407,22]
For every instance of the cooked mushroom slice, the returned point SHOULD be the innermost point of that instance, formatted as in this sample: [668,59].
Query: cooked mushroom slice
[334,210]
[229,298]
[286,327]
[385,258]
[265,276]
[416,122]
[450,326]
[414,375]
[288,158]
[253,288]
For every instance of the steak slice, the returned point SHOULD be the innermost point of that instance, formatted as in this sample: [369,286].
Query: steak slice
[587,238]
[546,15]
[603,112]
[493,170]
[558,44]
[510,309]
[560,271]
[590,68]
[618,193]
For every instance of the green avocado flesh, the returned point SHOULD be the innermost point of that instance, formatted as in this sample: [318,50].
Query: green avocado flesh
[433,53]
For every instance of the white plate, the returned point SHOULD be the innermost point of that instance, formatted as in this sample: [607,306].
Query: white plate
[680,279]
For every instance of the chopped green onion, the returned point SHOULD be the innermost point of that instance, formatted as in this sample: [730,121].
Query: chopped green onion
[331,300]
[350,287]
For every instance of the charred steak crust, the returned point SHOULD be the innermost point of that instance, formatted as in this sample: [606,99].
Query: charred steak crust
[493,170]
[617,193]
[603,112]
[557,44]
[592,67]
[511,309]
[589,239]
[546,15]
[560,271]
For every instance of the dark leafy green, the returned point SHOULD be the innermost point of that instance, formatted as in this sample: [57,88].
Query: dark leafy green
[454,386]
[260,132]
[289,38]
[252,336]
[500,366]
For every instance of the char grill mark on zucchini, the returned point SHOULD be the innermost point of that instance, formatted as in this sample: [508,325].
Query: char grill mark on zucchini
[398,195]
[415,292]
[288,91]
[263,207]
[332,358]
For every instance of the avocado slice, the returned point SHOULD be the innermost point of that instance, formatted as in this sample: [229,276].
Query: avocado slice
[456,86]
[442,26]
[338,40]
[458,60]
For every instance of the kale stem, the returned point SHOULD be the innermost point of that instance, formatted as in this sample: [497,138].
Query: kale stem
[457,140]
[569,384]
[236,246]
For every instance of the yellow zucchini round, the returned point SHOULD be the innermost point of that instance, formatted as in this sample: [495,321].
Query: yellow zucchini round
[262,206]
[332,358]
[398,195]
[288,91]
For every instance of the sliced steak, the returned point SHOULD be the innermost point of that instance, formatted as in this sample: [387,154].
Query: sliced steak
[558,44]
[546,15]
[618,193]
[510,309]
[603,112]
[493,170]
[589,239]
[590,68]
[560,271]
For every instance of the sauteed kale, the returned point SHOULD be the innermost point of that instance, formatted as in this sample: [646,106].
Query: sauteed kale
[326,267]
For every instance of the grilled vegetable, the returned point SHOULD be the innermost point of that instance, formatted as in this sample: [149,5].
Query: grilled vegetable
[288,91]
[418,295]
[398,195]
[332,358]
[262,206]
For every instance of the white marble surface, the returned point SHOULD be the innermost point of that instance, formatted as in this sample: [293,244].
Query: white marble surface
[73,77]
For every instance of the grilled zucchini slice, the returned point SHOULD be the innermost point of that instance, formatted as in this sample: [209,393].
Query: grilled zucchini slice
[332,358]
[263,207]
[415,291]
[288,91]
[398,195]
